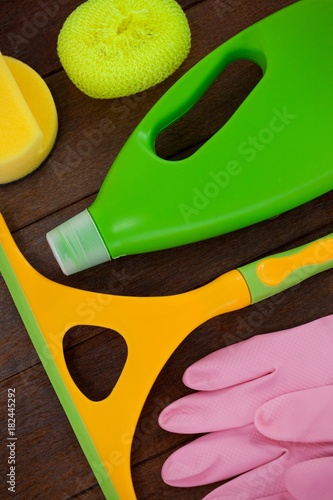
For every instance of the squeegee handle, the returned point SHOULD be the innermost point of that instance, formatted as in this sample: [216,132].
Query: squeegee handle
[276,273]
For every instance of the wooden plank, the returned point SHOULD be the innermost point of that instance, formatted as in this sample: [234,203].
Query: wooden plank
[41,451]
[30,30]
[50,463]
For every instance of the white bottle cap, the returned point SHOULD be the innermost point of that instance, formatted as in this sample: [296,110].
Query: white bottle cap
[77,244]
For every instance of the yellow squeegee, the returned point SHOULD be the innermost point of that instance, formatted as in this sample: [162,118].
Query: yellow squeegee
[153,330]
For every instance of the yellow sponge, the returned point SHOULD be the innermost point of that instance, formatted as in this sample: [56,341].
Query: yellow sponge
[28,120]
[114,48]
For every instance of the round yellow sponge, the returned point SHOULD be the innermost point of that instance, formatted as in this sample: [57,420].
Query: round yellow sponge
[28,120]
[114,48]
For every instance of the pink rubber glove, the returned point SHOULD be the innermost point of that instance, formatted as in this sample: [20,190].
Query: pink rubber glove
[268,406]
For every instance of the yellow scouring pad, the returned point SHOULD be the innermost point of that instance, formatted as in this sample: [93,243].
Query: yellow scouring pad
[28,120]
[114,48]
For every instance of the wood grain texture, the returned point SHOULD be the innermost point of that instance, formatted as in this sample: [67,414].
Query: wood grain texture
[50,463]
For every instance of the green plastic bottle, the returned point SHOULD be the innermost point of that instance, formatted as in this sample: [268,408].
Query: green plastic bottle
[275,152]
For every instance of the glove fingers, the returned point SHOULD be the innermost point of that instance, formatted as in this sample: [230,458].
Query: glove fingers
[232,365]
[311,479]
[217,456]
[303,416]
[306,350]
[264,483]
[217,410]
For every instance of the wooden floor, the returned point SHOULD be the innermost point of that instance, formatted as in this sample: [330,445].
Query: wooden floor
[50,463]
